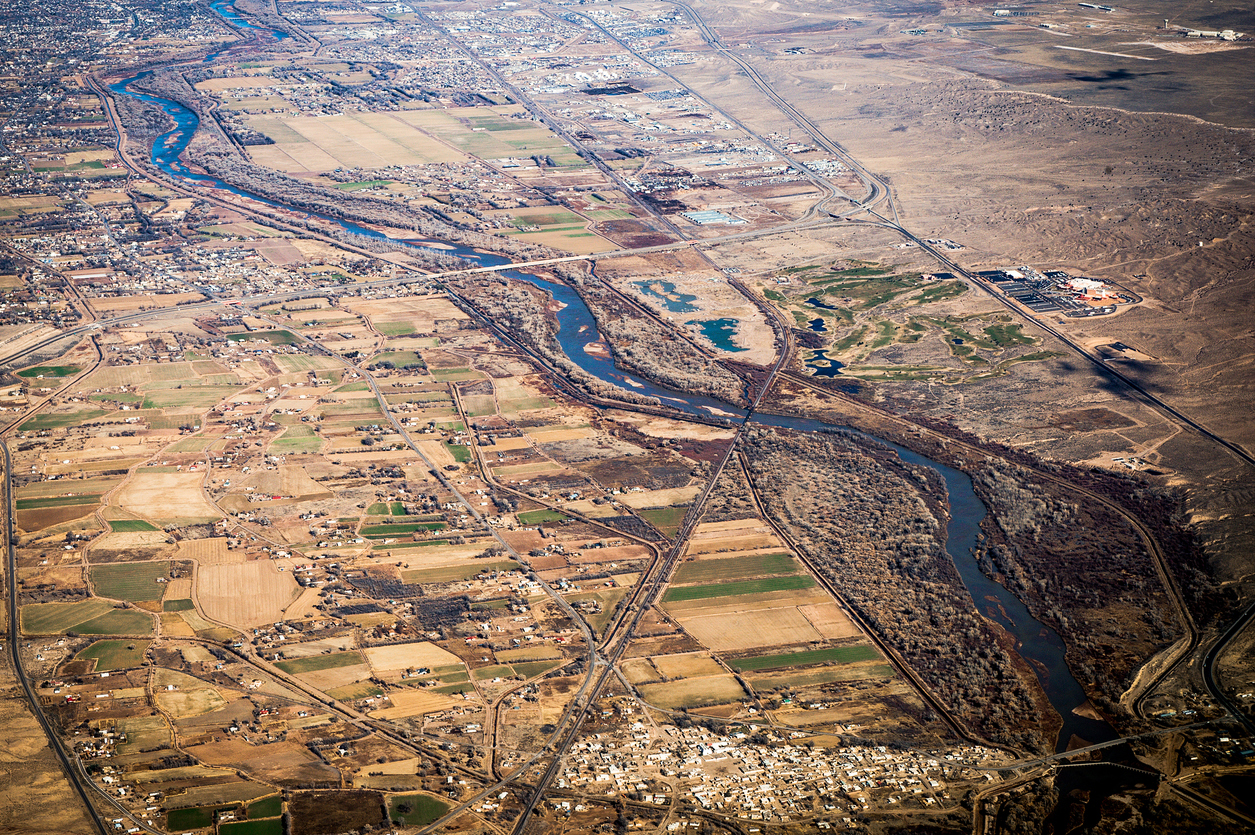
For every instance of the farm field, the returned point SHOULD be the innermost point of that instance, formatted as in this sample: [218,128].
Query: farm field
[217,589]
[738,588]
[167,498]
[115,655]
[131,581]
[693,692]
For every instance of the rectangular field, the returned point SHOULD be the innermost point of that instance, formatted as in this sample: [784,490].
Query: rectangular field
[737,631]
[133,581]
[737,589]
[840,655]
[315,663]
[52,618]
[696,572]
[693,692]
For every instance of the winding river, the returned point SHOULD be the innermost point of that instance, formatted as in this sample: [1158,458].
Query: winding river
[580,340]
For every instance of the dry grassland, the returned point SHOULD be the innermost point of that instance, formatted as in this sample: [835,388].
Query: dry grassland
[212,551]
[720,548]
[304,604]
[661,498]
[693,692]
[173,626]
[830,621]
[687,665]
[275,761]
[126,304]
[325,680]
[733,631]
[638,670]
[406,703]
[167,497]
[182,704]
[35,797]
[244,595]
[562,433]
[38,520]
[399,657]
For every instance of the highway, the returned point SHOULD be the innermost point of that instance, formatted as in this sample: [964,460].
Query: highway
[70,763]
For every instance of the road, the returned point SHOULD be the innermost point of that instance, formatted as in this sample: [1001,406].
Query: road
[601,663]
[69,763]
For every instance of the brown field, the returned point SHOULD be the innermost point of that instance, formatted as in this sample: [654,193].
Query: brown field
[38,520]
[178,588]
[406,703]
[223,793]
[218,590]
[661,498]
[639,670]
[182,704]
[336,677]
[212,551]
[303,605]
[563,433]
[391,661]
[820,675]
[507,444]
[540,653]
[830,621]
[130,303]
[719,547]
[743,630]
[167,497]
[687,665]
[86,464]
[173,626]
[274,762]
[693,692]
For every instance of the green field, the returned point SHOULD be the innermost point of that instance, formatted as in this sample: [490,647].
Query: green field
[57,501]
[133,581]
[298,439]
[51,618]
[60,421]
[770,584]
[118,622]
[50,371]
[273,337]
[399,529]
[196,817]
[115,655]
[460,452]
[536,517]
[534,668]
[716,571]
[271,826]
[416,809]
[395,328]
[314,663]
[840,655]
[131,525]
[181,605]
[357,690]
[665,519]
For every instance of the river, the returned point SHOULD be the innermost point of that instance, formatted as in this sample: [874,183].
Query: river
[577,333]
